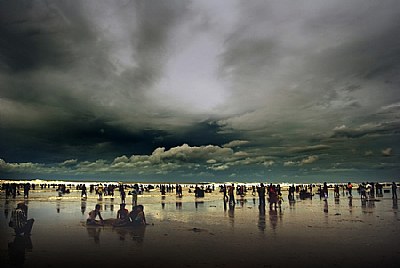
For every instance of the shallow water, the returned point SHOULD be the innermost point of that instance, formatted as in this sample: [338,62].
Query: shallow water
[193,231]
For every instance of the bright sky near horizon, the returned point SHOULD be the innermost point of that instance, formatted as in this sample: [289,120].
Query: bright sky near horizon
[199,89]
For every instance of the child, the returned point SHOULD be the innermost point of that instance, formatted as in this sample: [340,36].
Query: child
[134,197]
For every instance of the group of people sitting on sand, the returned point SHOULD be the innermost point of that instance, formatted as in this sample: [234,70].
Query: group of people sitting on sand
[124,217]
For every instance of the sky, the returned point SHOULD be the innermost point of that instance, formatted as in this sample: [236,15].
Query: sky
[200,90]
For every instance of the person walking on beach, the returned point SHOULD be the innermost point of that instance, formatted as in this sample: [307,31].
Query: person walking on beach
[93,215]
[292,189]
[224,191]
[363,191]
[19,220]
[350,189]
[336,191]
[231,193]
[394,190]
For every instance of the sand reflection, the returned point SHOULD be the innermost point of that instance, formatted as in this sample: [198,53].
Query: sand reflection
[18,248]
[261,218]
[135,234]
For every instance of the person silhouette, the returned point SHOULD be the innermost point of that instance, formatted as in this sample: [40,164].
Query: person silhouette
[19,220]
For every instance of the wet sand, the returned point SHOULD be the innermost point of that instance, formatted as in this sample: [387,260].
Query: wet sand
[198,232]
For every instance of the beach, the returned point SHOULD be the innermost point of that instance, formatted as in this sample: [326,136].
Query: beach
[198,232]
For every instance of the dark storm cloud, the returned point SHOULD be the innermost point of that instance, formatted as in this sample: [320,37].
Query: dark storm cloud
[38,34]
[56,74]
[261,86]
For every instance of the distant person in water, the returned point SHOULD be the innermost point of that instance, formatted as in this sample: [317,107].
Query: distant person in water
[93,215]
[19,220]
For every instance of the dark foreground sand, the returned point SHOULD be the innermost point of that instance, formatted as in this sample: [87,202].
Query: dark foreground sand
[202,232]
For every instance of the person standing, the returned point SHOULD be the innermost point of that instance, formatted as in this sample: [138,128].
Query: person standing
[100,191]
[350,189]
[394,190]
[122,193]
[231,193]
[261,194]
[134,197]
[179,191]
[27,187]
[325,190]
[83,193]
[292,189]
[272,196]
[336,191]
[224,191]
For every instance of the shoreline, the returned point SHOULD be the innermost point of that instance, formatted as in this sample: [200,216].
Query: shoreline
[247,184]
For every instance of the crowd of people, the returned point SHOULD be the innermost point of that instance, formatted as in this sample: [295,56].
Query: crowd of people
[266,193]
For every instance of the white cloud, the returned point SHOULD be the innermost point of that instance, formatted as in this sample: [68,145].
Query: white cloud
[391,106]
[69,162]
[309,160]
[235,143]
[20,167]
[219,167]
[339,127]
[268,163]
[178,158]
[289,163]
[121,159]
[387,152]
